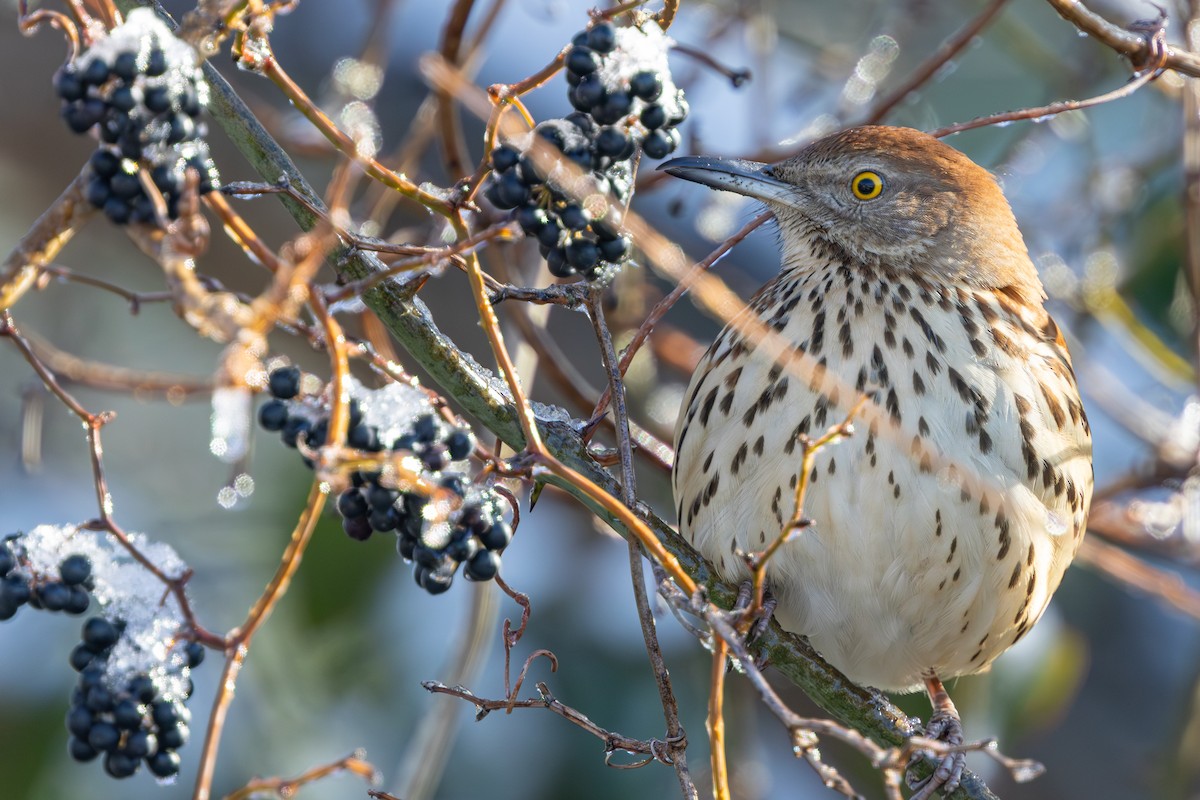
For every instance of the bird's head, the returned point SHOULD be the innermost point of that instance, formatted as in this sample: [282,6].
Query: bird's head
[887,197]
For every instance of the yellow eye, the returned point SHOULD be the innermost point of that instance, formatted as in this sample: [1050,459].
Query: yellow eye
[867,185]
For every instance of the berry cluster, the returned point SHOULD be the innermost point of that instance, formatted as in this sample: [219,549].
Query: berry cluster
[398,420]
[624,100]
[473,536]
[68,593]
[134,669]
[129,722]
[142,91]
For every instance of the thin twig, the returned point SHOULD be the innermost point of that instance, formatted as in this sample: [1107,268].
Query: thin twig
[649,627]
[1042,112]
[354,763]
[1136,47]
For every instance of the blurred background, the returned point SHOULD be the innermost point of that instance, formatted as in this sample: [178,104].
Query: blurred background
[1105,691]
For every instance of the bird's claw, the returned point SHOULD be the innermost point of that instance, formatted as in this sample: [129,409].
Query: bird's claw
[944,726]
[761,617]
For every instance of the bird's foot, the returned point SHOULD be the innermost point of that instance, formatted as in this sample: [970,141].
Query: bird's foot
[761,615]
[944,726]
[759,619]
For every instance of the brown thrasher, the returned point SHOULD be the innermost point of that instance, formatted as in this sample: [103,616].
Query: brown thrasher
[941,529]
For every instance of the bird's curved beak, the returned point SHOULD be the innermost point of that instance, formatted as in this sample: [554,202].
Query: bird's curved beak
[749,178]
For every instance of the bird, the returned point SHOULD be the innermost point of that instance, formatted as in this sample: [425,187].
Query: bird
[935,535]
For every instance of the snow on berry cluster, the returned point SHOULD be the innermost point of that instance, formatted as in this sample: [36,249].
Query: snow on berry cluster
[625,100]
[142,90]
[463,525]
[134,669]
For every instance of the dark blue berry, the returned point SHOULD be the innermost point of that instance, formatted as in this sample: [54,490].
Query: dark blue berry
[292,430]
[90,678]
[574,217]
[505,157]
[611,142]
[615,106]
[510,192]
[383,519]
[99,698]
[284,382]
[122,99]
[164,763]
[273,415]
[157,99]
[126,715]
[165,713]
[433,581]
[140,744]
[615,250]
[141,688]
[582,254]
[7,560]
[358,528]
[79,601]
[454,483]
[435,457]
[125,186]
[531,219]
[99,634]
[174,737]
[406,546]
[351,503]
[80,657]
[68,85]
[460,444]
[427,557]
[80,117]
[125,66]
[654,116]
[582,60]
[381,496]
[589,93]
[180,129]
[549,235]
[120,765]
[156,63]
[79,721]
[556,262]
[104,736]
[80,750]
[497,536]
[463,549]
[117,210]
[364,437]
[75,569]
[602,38]
[646,85]
[657,144]
[318,434]
[425,428]
[482,567]
[194,653]
[96,72]
[529,172]
[189,102]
